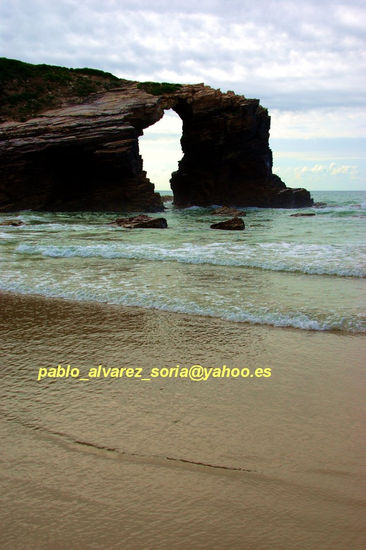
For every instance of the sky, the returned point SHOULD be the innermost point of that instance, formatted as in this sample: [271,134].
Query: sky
[305,60]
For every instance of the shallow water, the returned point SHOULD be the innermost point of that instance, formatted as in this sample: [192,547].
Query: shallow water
[257,463]
[304,272]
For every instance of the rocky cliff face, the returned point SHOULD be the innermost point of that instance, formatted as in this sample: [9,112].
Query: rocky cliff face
[227,159]
[86,156]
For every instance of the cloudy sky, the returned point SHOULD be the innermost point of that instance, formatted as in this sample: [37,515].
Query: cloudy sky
[304,59]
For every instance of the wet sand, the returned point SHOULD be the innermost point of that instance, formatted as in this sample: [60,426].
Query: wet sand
[171,463]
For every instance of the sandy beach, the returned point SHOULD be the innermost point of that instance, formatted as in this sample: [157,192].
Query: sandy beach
[256,463]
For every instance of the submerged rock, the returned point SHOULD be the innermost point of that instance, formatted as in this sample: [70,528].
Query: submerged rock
[141,222]
[236,224]
[302,215]
[14,223]
[227,211]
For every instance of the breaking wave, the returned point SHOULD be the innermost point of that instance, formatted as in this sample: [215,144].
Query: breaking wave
[316,259]
[257,315]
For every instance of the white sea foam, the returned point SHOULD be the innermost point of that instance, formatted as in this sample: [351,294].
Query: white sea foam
[346,261]
[332,322]
[6,236]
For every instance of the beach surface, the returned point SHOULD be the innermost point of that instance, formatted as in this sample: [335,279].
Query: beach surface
[235,462]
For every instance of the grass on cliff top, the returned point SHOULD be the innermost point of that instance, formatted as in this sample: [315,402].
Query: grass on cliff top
[158,88]
[26,89]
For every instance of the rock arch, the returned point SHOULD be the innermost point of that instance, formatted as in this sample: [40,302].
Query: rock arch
[86,156]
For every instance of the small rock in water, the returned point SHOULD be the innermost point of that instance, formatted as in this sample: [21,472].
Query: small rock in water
[14,223]
[236,224]
[141,222]
[227,211]
[305,214]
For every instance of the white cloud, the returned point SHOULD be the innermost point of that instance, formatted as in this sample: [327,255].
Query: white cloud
[350,170]
[331,169]
[330,176]
[352,16]
[346,122]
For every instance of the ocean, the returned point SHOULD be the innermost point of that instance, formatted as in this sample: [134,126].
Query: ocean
[302,272]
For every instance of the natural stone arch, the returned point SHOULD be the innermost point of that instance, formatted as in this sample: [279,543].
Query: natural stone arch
[86,157]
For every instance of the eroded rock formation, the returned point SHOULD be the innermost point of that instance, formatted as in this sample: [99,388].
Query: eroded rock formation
[86,156]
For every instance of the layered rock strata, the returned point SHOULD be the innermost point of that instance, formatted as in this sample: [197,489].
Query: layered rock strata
[86,156]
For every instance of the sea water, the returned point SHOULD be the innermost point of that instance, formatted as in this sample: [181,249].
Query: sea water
[306,272]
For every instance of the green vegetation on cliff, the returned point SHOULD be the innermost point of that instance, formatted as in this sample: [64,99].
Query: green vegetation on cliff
[158,88]
[26,89]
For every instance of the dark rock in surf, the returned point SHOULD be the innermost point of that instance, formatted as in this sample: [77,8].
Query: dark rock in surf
[302,215]
[141,222]
[292,198]
[13,223]
[234,224]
